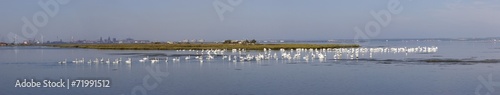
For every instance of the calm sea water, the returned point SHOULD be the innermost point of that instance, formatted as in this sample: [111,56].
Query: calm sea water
[382,73]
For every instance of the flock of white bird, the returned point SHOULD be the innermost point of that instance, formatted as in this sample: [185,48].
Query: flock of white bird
[96,60]
[242,55]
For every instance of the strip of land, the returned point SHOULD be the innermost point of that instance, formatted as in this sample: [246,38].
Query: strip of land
[201,46]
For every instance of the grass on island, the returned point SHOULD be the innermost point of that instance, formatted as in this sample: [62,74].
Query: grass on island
[202,46]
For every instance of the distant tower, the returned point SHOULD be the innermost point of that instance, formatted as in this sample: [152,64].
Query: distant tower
[42,38]
[100,40]
[109,39]
[15,38]
[72,39]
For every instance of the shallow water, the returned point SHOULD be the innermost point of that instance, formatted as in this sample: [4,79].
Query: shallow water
[384,73]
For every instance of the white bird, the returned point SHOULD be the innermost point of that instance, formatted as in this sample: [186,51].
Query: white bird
[209,57]
[176,59]
[142,60]
[96,60]
[75,61]
[224,57]
[155,60]
[107,61]
[63,62]
[128,61]
[83,60]
[321,56]
[306,58]
[116,61]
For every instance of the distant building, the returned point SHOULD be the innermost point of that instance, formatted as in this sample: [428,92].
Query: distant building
[130,40]
[25,43]
[141,41]
[170,42]
[109,39]
[201,40]
[3,44]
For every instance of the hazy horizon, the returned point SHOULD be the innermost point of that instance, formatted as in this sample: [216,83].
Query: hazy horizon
[250,19]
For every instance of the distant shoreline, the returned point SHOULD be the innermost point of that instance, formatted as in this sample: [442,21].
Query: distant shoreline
[151,46]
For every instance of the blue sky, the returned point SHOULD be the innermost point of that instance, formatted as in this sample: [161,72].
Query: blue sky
[173,20]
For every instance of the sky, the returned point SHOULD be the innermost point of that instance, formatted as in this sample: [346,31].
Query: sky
[175,20]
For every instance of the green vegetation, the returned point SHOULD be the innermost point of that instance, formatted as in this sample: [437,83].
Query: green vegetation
[201,46]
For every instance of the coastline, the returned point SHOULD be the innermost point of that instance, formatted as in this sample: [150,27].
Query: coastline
[201,46]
